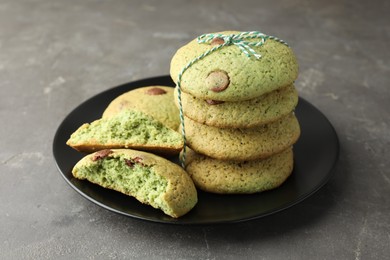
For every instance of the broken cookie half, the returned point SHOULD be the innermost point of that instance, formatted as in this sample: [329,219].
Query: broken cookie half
[149,178]
[128,129]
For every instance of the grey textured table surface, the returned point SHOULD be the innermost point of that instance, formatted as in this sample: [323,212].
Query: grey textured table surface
[56,54]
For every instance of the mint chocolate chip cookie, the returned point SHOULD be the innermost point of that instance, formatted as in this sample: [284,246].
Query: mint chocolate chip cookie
[239,177]
[242,114]
[242,144]
[247,66]
[148,178]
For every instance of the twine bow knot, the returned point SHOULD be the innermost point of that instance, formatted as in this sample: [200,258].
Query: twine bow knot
[240,40]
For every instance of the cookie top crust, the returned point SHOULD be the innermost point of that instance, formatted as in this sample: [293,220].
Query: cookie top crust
[156,101]
[241,69]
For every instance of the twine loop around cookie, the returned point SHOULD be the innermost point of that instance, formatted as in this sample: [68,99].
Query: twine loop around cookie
[241,41]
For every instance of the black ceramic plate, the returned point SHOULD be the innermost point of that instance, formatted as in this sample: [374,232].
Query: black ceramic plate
[315,154]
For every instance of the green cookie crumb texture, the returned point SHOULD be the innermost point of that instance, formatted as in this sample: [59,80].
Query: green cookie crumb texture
[156,101]
[127,129]
[248,77]
[243,114]
[150,179]
[242,144]
[244,177]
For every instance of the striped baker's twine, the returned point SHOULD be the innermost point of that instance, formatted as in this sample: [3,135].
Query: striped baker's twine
[238,40]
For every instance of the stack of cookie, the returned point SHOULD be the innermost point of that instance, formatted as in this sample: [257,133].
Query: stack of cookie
[237,96]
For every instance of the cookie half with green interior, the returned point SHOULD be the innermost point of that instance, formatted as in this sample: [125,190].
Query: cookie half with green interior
[127,129]
[149,178]
[239,177]
[233,72]
[156,101]
[242,114]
